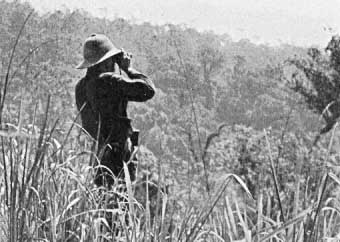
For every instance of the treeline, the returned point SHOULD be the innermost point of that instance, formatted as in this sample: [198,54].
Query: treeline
[234,81]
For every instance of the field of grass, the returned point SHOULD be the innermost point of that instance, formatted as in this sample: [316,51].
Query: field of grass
[47,194]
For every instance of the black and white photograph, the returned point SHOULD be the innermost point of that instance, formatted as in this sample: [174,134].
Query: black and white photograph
[169,121]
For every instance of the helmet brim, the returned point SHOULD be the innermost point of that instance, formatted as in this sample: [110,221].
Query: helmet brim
[86,64]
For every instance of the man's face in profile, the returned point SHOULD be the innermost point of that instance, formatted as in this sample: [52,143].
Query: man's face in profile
[110,65]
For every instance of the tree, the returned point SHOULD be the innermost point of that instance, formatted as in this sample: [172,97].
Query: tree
[317,80]
[211,59]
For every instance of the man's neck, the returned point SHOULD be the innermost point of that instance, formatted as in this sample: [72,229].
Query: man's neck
[99,69]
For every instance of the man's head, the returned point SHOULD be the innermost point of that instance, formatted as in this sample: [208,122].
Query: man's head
[98,49]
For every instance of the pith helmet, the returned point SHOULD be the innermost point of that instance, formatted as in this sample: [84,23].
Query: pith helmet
[97,48]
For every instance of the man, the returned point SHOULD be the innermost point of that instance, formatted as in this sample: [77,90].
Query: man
[102,97]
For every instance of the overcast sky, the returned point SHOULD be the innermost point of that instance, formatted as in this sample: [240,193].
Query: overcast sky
[300,22]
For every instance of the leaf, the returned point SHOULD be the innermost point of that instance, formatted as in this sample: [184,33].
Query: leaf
[70,205]
[299,218]
[334,178]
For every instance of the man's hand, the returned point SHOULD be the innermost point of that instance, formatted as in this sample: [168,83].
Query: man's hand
[116,77]
[125,60]
[119,78]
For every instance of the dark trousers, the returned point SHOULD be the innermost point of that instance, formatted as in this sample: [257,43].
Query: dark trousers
[114,154]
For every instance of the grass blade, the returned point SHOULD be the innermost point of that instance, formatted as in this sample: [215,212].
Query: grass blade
[273,170]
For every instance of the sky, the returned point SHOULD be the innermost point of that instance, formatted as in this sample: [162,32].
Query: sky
[298,22]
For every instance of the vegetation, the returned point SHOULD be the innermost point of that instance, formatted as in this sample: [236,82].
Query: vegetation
[228,149]
[321,72]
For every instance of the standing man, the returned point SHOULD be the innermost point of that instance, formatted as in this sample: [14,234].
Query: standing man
[102,97]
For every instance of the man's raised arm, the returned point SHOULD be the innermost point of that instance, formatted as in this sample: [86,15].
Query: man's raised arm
[136,87]
[139,86]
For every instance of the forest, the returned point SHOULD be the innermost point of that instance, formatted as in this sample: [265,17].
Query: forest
[240,142]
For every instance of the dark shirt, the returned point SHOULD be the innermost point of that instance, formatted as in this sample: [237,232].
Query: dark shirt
[103,100]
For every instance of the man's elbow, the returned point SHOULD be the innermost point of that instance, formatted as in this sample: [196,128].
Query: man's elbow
[147,95]
[149,89]
[142,91]
[150,93]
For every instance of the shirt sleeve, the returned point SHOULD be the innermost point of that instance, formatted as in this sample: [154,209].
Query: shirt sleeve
[136,87]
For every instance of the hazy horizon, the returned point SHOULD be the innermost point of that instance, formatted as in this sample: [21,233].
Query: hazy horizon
[301,22]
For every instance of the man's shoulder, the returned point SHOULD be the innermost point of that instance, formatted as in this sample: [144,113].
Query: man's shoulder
[80,88]
[84,83]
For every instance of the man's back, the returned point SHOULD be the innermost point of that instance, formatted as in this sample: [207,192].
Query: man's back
[105,97]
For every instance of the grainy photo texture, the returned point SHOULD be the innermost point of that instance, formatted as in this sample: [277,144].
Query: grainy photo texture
[169,121]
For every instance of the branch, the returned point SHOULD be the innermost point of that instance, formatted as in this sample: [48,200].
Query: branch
[191,145]
[185,71]
[210,138]
[3,97]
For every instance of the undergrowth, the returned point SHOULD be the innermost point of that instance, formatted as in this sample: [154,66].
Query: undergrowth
[47,194]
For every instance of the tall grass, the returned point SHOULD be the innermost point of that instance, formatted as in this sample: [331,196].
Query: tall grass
[47,194]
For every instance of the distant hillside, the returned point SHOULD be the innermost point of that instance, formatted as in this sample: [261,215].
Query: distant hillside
[230,82]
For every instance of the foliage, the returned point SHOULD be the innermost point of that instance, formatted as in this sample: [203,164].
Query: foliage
[318,81]
[202,130]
